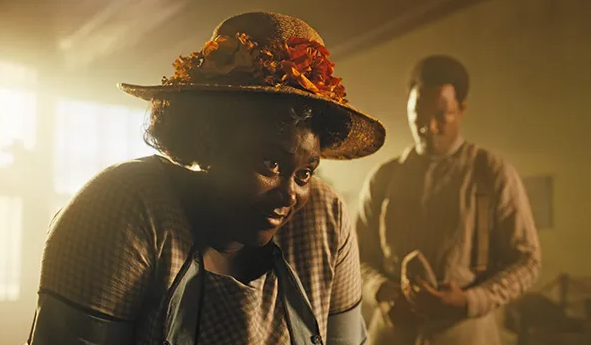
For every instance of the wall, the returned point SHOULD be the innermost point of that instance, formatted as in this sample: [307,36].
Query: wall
[530,63]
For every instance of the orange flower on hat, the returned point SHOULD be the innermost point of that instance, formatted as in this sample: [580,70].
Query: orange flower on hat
[184,68]
[299,63]
[310,60]
[226,54]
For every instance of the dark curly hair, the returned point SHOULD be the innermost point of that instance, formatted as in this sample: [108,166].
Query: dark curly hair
[194,127]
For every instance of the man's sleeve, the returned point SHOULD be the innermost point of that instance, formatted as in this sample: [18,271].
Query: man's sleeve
[368,230]
[515,241]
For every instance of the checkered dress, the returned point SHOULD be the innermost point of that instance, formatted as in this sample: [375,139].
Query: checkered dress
[117,246]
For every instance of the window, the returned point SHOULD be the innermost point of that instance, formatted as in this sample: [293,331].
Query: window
[17,131]
[10,247]
[18,110]
[90,137]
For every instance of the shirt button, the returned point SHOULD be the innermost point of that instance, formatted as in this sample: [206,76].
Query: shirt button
[316,339]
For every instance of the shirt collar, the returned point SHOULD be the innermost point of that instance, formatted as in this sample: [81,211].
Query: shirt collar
[453,149]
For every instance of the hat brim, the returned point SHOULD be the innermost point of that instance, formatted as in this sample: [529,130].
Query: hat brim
[366,134]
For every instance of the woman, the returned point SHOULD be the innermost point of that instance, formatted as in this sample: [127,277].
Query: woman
[184,248]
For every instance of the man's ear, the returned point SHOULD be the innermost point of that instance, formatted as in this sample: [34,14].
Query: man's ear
[463,105]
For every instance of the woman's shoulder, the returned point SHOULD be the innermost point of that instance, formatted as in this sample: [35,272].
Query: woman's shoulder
[323,196]
[124,185]
[121,225]
[123,198]
[134,174]
[322,221]
[104,229]
[313,240]
[114,196]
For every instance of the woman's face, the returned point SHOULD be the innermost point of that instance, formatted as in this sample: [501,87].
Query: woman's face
[263,182]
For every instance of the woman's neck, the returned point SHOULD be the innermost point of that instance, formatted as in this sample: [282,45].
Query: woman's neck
[243,263]
[222,254]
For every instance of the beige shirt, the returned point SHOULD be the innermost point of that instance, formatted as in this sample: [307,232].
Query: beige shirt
[428,203]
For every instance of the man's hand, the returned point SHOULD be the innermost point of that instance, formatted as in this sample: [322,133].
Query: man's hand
[394,306]
[387,292]
[449,301]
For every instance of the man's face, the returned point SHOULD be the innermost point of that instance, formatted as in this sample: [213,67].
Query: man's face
[434,116]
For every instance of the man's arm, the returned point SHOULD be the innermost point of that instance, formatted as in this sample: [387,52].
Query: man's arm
[514,239]
[368,230]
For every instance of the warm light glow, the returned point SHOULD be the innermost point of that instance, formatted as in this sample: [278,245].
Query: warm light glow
[17,121]
[18,111]
[88,138]
[92,136]
[10,247]
[16,76]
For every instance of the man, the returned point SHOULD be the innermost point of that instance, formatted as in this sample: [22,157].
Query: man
[464,209]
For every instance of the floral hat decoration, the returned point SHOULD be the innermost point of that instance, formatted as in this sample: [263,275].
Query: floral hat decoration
[272,53]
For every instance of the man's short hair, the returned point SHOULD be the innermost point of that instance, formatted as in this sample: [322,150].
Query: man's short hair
[438,70]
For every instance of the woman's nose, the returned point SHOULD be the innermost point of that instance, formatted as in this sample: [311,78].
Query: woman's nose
[288,191]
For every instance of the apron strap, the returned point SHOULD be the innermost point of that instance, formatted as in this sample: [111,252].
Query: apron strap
[184,302]
[302,324]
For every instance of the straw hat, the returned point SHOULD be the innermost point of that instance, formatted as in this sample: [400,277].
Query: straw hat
[271,53]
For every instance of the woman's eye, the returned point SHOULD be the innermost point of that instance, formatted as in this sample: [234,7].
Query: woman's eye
[304,176]
[271,165]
